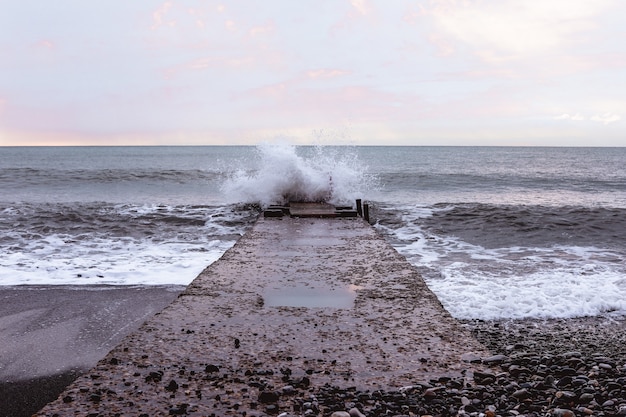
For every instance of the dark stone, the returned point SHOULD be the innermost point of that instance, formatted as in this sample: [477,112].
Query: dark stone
[495,359]
[211,368]
[179,411]
[566,371]
[521,394]
[268,397]
[172,386]
[154,376]
[483,378]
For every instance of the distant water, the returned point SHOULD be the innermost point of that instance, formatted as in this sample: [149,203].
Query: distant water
[496,232]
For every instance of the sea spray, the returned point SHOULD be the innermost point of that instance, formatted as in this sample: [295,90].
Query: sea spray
[286,173]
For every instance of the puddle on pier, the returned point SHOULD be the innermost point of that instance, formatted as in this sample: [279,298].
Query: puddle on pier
[340,297]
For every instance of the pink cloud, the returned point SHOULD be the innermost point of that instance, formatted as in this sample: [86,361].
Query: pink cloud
[503,30]
[257,31]
[46,44]
[361,6]
[325,73]
[159,15]
[220,62]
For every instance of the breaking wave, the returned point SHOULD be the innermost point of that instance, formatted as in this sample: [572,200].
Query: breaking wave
[286,173]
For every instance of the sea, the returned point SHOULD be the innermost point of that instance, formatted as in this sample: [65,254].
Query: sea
[496,232]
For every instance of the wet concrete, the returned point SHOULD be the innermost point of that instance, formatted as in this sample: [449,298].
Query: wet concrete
[295,305]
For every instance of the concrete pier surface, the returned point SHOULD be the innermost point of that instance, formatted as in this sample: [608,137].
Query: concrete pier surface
[296,305]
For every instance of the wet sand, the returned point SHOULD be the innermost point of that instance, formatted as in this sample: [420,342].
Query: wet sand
[50,335]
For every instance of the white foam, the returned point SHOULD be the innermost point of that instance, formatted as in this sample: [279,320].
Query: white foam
[515,282]
[127,245]
[284,174]
[109,261]
[553,293]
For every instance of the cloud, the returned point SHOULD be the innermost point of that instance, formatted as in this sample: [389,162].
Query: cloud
[230,25]
[606,118]
[507,29]
[261,30]
[567,116]
[46,44]
[218,62]
[325,73]
[361,6]
[158,16]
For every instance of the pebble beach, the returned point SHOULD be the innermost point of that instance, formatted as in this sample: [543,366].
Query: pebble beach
[559,367]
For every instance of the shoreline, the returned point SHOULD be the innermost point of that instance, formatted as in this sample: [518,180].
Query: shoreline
[579,340]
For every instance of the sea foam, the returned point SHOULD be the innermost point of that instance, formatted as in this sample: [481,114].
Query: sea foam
[283,173]
[513,282]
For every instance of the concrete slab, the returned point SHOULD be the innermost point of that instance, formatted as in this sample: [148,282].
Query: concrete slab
[312,210]
[296,305]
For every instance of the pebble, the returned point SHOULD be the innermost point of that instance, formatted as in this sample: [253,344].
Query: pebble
[355,412]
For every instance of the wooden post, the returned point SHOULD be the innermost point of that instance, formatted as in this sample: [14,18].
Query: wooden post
[366,212]
[359,209]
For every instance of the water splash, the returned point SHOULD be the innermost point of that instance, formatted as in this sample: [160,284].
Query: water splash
[288,173]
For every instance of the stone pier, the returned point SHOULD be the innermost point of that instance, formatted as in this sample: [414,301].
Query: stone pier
[298,305]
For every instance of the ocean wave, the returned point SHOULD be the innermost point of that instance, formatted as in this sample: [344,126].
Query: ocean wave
[68,244]
[34,176]
[284,174]
[500,261]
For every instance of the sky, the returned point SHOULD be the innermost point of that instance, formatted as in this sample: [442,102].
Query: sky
[346,72]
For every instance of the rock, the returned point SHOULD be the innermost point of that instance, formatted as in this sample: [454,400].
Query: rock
[495,359]
[179,411]
[560,412]
[355,412]
[268,397]
[340,414]
[484,378]
[288,390]
[211,368]
[522,394]
[470,357]
[172,386]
